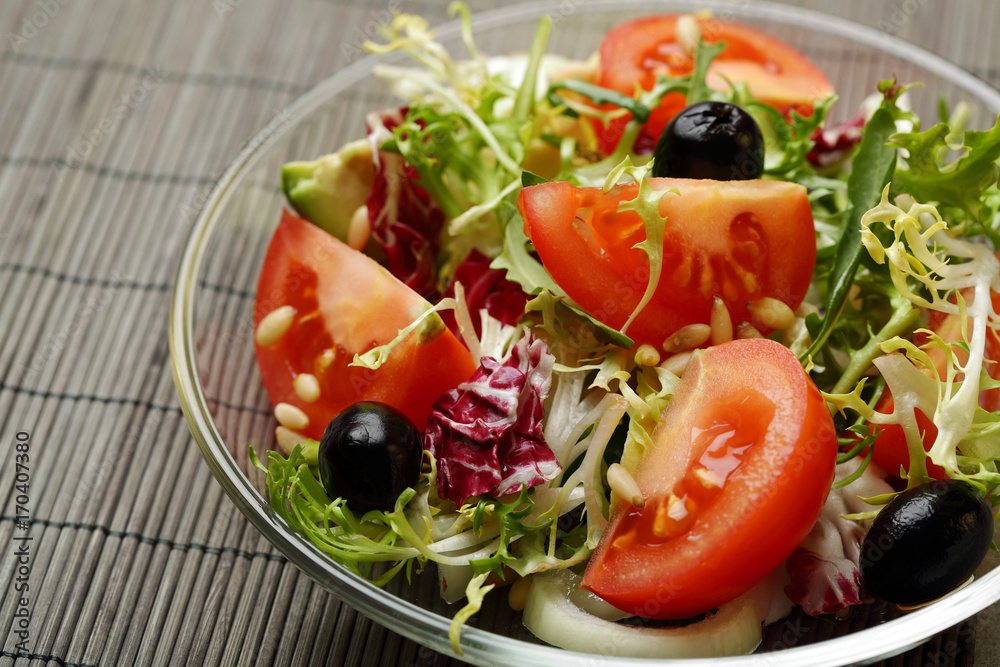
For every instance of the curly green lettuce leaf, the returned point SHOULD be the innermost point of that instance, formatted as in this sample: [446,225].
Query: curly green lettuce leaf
[475,593]
[789,141]
[646,204]
[929,175]
[427,327]
[933,270]
[516,518]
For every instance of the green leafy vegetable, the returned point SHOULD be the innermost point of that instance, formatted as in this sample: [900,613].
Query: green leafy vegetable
[928,176]
[871,170]
[647,205]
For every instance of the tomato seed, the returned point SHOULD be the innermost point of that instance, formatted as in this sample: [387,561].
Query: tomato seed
[274,326]
[707,478]
[326,359]
[291,417]
[306,387]
[673,517]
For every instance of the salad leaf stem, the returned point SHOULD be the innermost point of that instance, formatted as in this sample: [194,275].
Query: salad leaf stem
[524,102]
[904,317]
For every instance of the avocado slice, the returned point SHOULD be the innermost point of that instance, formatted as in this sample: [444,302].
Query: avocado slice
[327,191]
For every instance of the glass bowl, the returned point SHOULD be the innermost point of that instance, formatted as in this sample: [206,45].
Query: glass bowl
[211,331]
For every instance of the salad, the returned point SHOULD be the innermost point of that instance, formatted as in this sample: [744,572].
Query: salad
[639,337]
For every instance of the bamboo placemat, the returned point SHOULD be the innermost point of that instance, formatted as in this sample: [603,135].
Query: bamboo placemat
[115,120]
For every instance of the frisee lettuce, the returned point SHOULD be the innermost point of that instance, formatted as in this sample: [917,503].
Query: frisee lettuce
[932,270]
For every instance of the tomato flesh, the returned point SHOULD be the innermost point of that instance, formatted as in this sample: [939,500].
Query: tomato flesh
[635,52]
[739,470]
[346,303]
[739,240]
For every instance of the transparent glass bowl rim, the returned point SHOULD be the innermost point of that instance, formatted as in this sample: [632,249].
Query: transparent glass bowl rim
[424,626]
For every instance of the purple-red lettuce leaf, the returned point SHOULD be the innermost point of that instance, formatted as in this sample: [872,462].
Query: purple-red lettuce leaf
[405,221]
[824,571]
[486,435]
[485,288]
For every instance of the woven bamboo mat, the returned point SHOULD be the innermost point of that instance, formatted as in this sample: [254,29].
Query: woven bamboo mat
[116,118]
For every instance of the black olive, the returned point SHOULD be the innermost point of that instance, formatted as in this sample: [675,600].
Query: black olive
[926,542]
[715,140]
[370,453]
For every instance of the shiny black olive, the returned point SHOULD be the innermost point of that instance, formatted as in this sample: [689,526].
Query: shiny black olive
[715,140]
[926,542]
[369,454]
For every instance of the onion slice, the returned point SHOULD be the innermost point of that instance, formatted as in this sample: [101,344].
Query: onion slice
[551,615]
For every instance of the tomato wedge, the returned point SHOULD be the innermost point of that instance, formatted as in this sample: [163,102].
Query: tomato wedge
[739,240]
[891,452]
[635,52]
[346,303]
[739,469]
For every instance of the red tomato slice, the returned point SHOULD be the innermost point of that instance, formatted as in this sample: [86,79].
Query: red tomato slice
[739,240]
[739,469]
[635,52]
[345,304]
[891,452]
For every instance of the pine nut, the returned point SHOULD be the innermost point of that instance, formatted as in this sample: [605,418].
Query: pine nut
[517,596]
[647,355]
[677,363]
[772,313]
[624,485]
[291,417]
[747,330]
[274,326]
[306,387]
[687,337]
[688,33]
[359,229]
[721,322]
[287,439]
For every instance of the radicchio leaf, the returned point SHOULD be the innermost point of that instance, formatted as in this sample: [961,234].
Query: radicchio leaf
[825,577]
[486,435]
[404,219]
[485,288]
[832,144]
